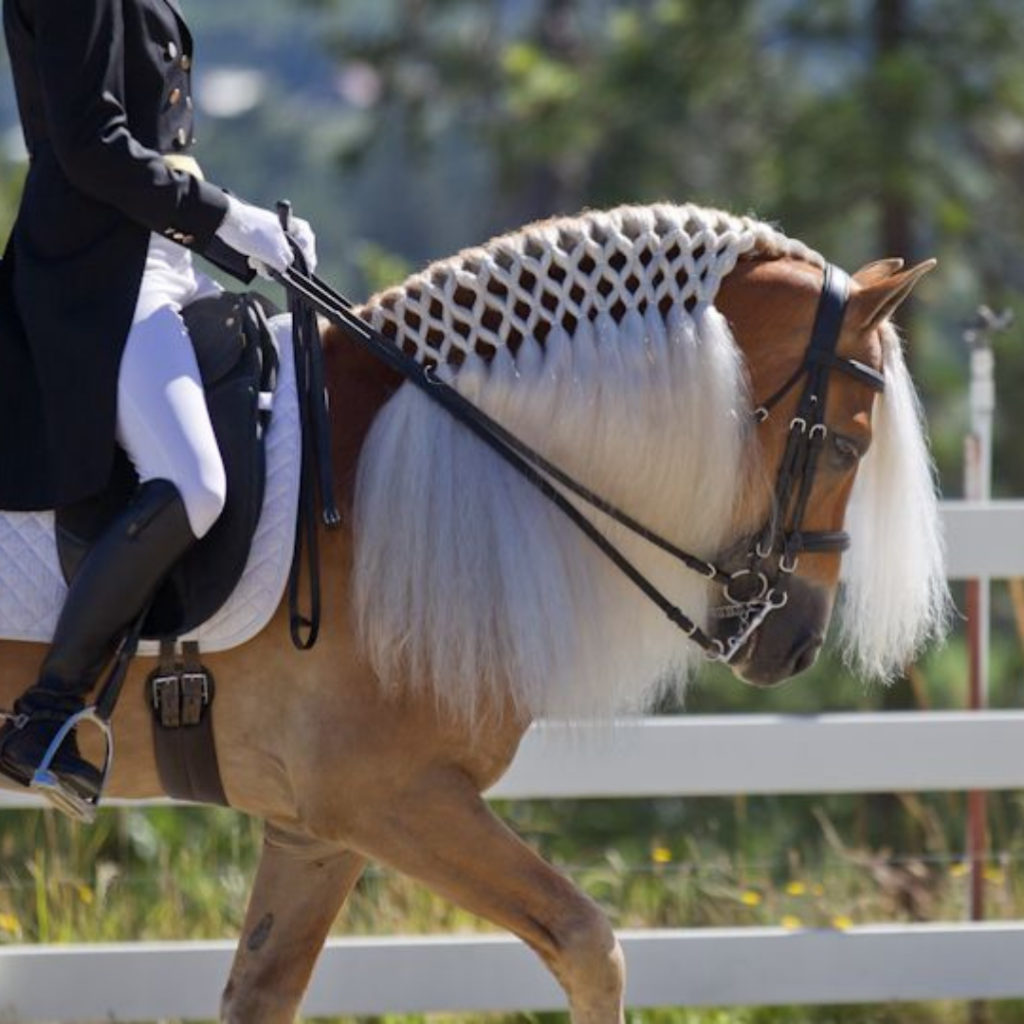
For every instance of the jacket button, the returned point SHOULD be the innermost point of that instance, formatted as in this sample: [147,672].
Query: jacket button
[175,97]
[181,138]
[172,51]
[186,62]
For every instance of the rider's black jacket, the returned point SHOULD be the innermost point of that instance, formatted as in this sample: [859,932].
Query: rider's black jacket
[104,92]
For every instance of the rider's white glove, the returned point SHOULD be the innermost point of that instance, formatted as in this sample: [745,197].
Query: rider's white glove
[302,233]
[258,234]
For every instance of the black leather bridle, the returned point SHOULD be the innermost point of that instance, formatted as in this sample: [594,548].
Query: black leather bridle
[752,592]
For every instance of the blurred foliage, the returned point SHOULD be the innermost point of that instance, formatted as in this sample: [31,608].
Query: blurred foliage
[889,127]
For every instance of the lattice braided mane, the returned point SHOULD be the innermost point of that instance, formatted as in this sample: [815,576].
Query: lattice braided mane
[595,340]
[561,271]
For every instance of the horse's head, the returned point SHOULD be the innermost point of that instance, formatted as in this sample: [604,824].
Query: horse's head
[625,349]
[793,521]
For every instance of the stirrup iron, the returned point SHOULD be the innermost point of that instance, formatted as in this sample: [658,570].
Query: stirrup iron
[48,785]
[46,782]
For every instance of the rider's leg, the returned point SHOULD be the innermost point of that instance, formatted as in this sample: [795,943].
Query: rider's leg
[164,426]
[111,587]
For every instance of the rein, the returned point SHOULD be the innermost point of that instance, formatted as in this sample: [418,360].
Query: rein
[783,531]
[316,474]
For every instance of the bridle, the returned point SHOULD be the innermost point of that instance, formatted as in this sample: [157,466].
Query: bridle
[782,539]
[754,591]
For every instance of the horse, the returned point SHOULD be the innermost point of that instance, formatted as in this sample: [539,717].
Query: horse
[657,355]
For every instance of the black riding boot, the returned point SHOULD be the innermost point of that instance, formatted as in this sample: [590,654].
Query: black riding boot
[115,580]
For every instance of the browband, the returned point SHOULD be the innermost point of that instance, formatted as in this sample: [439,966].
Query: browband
[851,367]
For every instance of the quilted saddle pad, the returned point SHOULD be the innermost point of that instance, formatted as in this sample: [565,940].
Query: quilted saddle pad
[32,588]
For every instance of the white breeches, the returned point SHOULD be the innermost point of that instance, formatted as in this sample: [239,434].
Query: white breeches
[162,420]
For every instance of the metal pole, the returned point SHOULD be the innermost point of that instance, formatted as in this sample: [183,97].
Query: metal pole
[978,487]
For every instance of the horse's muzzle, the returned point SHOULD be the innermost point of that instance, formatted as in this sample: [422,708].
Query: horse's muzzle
[788,641]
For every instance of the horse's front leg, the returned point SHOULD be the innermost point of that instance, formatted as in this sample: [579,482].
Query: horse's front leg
[300,887]
[440,832]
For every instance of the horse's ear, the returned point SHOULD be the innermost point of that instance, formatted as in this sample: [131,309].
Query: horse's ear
[871,273]
[879,299]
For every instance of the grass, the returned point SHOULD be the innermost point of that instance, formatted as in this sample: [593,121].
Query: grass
[184,874]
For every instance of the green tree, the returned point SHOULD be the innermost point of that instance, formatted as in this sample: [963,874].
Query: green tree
[867,128]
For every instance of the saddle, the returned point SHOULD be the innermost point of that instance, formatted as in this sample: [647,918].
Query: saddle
[238,363]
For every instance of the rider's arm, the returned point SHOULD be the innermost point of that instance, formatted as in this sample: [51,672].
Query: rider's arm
[80,60]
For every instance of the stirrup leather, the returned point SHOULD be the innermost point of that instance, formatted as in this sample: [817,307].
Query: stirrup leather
[54,790]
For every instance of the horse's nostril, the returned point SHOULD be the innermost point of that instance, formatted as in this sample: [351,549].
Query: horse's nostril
[806,655]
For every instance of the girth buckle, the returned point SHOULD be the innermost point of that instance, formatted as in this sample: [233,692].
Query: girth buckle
[166,697]
[180,693]
[195,696]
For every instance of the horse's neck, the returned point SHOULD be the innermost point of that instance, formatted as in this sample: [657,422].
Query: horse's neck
[358,386]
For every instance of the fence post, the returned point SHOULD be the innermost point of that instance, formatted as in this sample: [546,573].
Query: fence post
[978,487]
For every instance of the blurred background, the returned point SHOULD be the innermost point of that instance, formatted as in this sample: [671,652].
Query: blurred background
[406,130]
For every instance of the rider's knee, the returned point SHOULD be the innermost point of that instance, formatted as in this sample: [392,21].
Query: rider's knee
[205,499]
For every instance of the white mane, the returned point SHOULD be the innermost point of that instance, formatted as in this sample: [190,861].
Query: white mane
[894,596]
[596,340]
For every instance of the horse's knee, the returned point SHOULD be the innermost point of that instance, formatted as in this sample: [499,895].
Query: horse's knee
[586,955]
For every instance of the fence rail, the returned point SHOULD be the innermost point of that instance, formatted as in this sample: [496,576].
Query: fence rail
[701,755]
[718,755]
[984,539]
[695,967]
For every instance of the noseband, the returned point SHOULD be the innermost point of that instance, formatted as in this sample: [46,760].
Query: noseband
[782,537]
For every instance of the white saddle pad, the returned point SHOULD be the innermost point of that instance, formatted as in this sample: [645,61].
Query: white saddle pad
[32,587]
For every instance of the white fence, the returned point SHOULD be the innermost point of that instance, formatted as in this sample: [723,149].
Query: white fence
[679,757]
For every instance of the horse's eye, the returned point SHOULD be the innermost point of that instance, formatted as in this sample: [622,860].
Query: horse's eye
[847,453]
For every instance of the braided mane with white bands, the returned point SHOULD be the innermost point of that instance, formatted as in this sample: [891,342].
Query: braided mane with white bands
[558,273]
[595,339]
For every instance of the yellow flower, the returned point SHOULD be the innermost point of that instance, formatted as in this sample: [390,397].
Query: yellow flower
[959,869]
[791,922]
[85,894]
[9,923]
[841,922]
[995,876]
[750,898]
[661,855]
[796,889]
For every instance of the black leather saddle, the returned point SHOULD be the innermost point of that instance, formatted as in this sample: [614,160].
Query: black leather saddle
[238,363]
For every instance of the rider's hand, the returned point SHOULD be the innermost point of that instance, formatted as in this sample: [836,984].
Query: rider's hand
[301,232]
[258,234]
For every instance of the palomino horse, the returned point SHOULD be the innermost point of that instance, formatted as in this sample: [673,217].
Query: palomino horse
[630,348]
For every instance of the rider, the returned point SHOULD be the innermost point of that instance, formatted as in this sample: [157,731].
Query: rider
[93,349]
